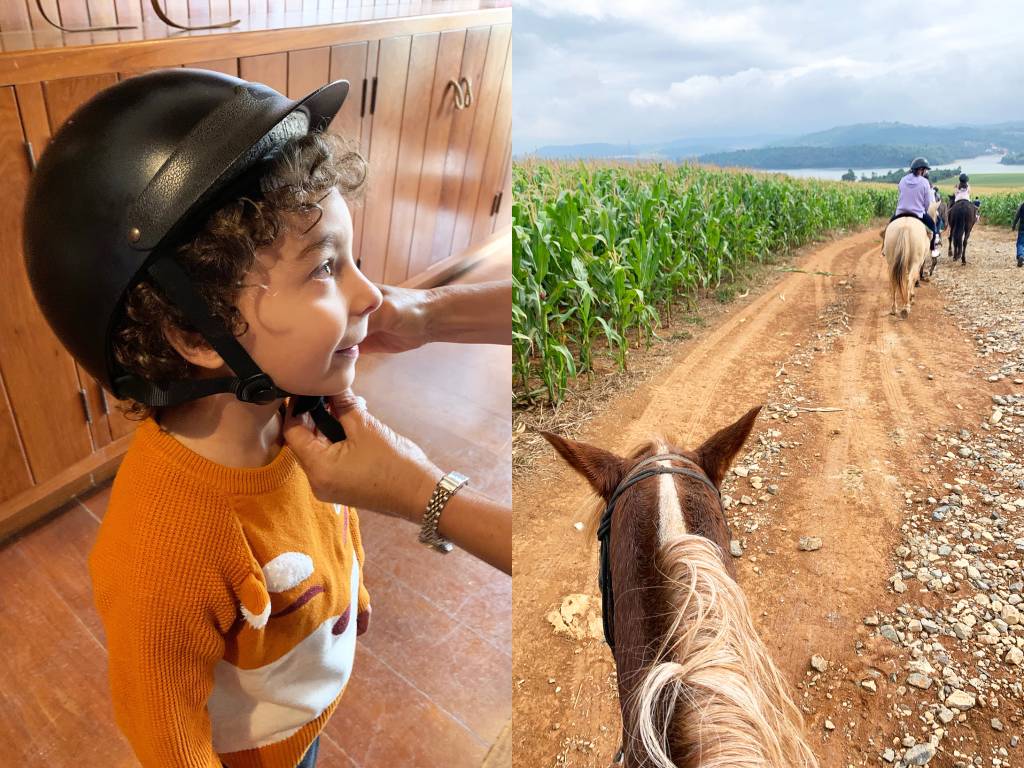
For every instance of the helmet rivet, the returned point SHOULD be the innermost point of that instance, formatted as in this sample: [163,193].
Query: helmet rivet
[134,235]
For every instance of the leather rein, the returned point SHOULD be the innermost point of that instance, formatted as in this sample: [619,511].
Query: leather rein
[604,529]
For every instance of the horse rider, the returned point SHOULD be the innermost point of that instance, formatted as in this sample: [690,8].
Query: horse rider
[916,196]
[963,189]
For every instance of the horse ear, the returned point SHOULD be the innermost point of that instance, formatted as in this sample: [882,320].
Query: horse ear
[602,469]
[719,450]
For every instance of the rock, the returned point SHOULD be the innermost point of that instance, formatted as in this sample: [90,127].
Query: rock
[746,500]
[919,754]
[996,724]
[889,756]
[946,715]
[888,631]
[578,526]
[869,685]
[1014,657]
[819,663]
[741,471]
[920,681]
[735,549]
[809,543]
[965,452]
[961,700]
[829,725]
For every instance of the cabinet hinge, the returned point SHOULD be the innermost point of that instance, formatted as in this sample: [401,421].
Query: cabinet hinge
[31,155]
[85,406]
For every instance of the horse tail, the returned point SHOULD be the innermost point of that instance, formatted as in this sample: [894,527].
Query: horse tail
[898,273]
[712,681]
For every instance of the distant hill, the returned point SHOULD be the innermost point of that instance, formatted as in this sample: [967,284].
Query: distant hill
[857,156]
[670,150]
[864,145]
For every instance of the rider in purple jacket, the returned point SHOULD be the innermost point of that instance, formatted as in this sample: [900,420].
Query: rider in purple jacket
[916,195]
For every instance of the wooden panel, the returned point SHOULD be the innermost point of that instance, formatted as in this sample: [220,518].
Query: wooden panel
[15,476]
[442,112]
[220,11]
[271,69]
[38,373]
[198,13]
[227,66]
[458,145]
[494,166]
[14,16]
[25,62]
[504,214]
[415,117]
[119,425]
[485,102]
[307,70]
[392,67]
[128,12]
[348,62]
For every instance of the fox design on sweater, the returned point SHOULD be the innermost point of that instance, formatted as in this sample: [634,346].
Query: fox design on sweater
[304,681]
[230,599]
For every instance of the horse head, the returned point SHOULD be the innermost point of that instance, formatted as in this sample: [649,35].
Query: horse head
[685,648]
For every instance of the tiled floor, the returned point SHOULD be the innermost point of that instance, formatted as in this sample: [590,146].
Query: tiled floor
[432,681]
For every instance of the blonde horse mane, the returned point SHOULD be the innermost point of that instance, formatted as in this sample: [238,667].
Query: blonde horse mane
[712,678]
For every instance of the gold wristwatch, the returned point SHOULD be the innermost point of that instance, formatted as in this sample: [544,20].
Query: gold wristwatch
[446,488]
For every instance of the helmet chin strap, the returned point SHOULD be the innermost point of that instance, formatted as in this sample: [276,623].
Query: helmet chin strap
[249,384]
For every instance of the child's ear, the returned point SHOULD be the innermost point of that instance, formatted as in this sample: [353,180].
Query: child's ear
[719,450]
[193,347]
[602,469]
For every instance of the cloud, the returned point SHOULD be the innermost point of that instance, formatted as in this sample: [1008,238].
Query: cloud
[657,71]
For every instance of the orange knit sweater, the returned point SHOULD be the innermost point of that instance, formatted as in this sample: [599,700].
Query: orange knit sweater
[227,599]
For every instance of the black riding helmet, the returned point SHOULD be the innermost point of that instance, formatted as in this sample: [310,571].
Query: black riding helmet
[919,162]
[135,172]
[963,178]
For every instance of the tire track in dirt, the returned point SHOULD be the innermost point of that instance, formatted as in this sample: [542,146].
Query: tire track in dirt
[844,482]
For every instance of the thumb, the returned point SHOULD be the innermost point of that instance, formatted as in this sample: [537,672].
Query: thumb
[299,435]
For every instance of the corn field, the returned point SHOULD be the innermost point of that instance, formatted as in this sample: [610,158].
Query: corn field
[602,251]
[1000,209]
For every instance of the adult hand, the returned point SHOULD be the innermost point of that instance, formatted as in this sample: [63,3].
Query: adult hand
[400,323]
[373,468]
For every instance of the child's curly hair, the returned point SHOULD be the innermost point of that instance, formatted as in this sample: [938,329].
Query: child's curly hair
[224,251]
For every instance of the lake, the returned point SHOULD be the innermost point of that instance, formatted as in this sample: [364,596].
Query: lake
[969,165]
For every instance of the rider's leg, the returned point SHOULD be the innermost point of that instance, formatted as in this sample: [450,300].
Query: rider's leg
[930,223]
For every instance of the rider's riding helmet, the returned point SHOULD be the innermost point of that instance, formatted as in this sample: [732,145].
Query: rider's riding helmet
[919,162]
[963,178]
[132,174]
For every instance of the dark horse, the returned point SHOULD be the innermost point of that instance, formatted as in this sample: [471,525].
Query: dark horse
[697,687]
[962,217]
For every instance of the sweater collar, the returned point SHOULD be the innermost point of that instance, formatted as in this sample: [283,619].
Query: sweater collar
[244,480]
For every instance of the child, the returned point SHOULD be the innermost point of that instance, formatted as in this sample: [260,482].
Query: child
[230,596]
[963,189]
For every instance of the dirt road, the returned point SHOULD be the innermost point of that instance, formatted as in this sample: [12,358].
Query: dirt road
[849,476]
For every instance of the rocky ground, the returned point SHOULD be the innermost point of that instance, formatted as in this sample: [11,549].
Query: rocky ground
[877,515]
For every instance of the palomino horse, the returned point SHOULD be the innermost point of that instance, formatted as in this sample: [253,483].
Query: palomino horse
[697,688]
[906,244]
[962,217]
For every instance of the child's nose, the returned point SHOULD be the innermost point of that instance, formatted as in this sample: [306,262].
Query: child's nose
[369,301]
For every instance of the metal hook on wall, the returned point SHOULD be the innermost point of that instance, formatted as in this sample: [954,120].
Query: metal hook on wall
[460,96]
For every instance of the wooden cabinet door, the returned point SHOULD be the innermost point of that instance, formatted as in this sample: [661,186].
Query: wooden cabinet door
[498,150]
[435,151]
[387,98]
[38,376]
[416,113]
[503,213]
[486,91]
[447,209]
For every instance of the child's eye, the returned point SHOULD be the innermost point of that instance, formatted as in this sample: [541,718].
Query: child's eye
[326,269]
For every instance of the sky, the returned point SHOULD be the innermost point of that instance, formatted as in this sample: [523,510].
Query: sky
[643,72]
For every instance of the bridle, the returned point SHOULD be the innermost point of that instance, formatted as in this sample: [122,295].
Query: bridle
[604,529]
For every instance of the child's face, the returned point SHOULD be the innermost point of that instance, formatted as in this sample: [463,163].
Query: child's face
[306,309]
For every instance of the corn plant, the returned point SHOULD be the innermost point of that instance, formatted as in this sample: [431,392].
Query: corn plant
[602,251]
